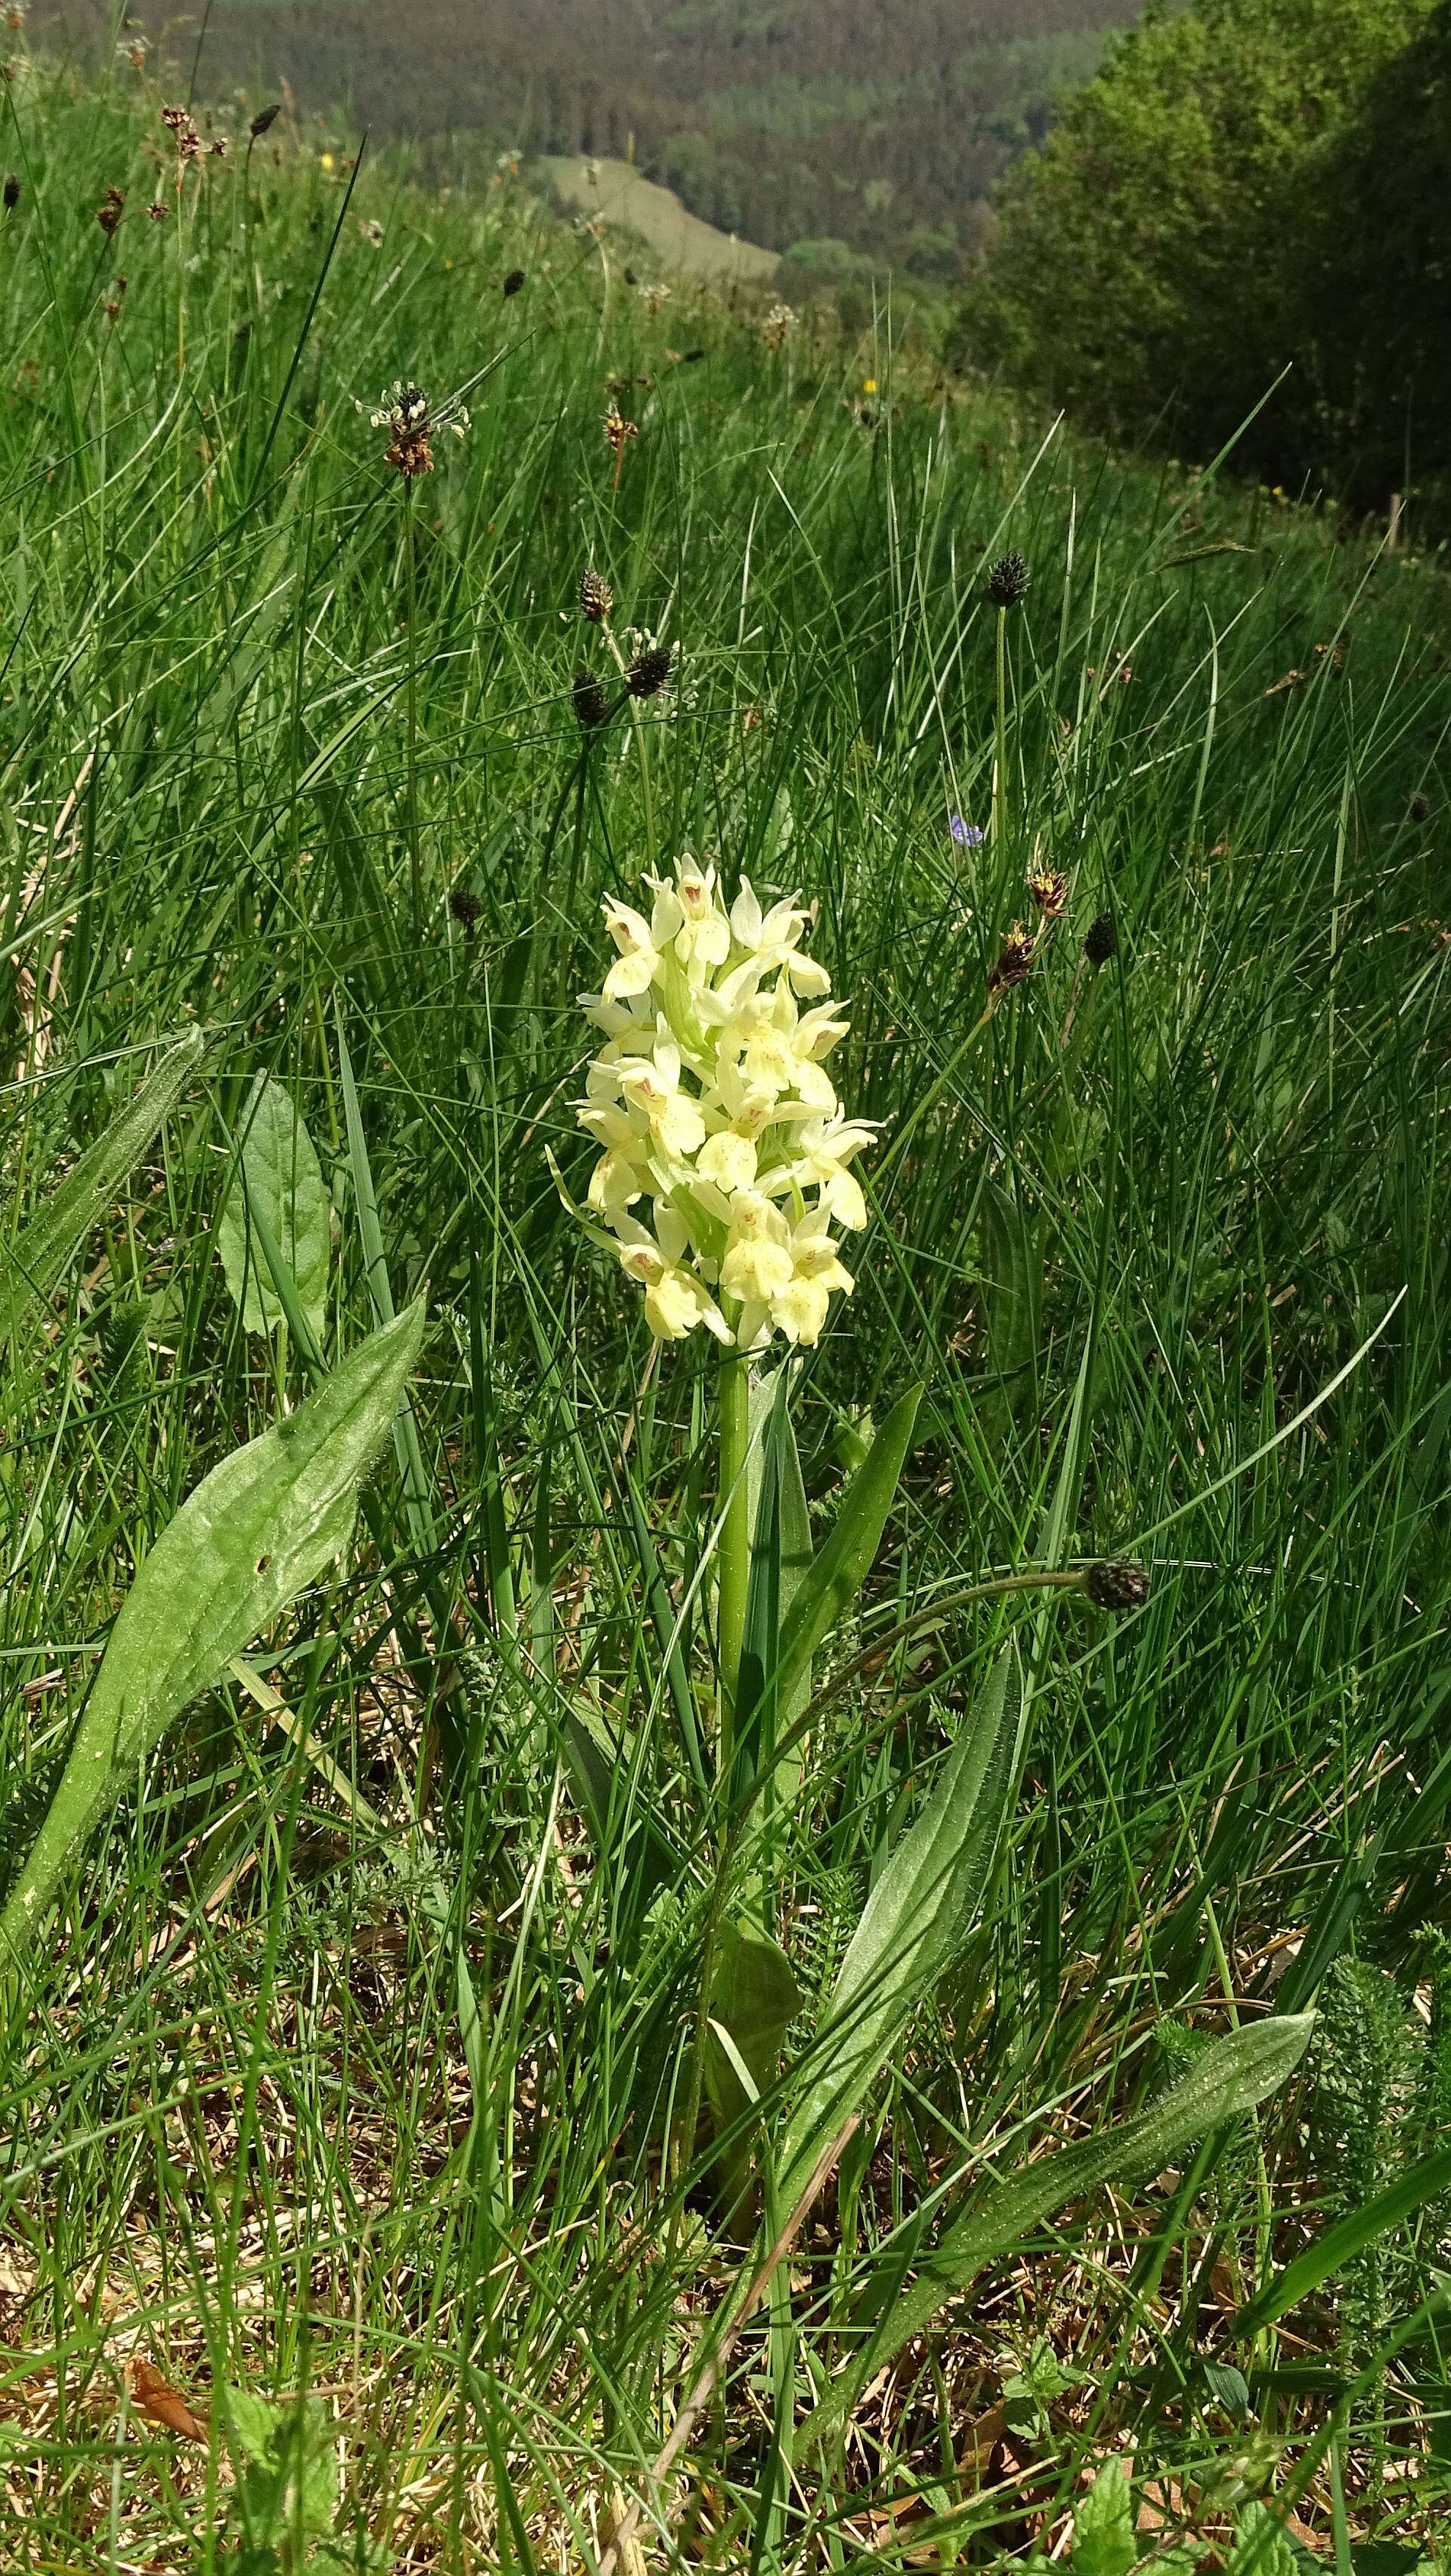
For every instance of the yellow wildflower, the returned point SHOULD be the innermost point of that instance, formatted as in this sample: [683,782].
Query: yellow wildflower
[724,1152]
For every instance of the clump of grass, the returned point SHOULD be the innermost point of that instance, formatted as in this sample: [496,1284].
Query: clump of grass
[356,2068]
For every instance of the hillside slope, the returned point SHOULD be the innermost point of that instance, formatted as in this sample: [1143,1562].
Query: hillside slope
[352,2083]
[683,244]
[878,123]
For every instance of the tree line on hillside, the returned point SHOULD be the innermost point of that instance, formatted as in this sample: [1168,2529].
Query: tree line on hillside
[875,125]
[1248,187]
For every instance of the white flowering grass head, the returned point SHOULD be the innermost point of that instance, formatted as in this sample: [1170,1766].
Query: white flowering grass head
[725,1160]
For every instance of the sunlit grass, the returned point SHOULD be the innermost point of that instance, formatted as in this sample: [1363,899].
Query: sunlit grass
[291,751]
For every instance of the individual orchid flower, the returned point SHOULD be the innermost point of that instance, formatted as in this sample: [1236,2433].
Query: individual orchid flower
[675,1299]
[640,942]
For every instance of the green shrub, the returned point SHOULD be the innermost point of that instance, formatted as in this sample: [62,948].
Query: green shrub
[1375,286]
[1179,239]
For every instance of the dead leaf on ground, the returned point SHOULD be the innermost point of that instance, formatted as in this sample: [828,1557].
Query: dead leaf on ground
[164,2404]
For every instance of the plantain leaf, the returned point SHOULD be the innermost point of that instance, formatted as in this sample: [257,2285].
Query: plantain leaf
[256,1530]
[913,1922]
[278,1181]
[1231,2076]
[34,1262]
[832,1582]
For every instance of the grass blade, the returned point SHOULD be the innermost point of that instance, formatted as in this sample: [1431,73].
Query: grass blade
[828,1590]
[1338,2247]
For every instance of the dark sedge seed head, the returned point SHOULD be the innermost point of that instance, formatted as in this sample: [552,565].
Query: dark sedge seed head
[465,908]
[1101,942]
[1007,583]
[11,191]
[1115,1584]
[596,598]
[513,282]
[649,672]
[591,706]
[265,118]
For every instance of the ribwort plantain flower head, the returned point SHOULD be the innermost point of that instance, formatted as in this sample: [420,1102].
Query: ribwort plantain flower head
[1007,582]
[591,706]
[1014,964]
[649,672]
[1116,1584]
[725,1154]
[1048,887]
[596,599]
[1101,942]
[412,421]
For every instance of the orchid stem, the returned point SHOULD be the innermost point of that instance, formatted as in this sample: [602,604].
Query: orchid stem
[734,1565]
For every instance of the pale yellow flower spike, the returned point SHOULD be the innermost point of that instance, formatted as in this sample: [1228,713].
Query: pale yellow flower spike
[724,1149]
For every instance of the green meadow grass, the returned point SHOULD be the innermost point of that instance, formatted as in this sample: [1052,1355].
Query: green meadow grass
[346,2063]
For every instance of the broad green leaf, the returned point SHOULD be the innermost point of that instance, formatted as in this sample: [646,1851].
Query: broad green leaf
[286,2496]
[1385,2215]
[278,1180]
[253,2424]
[1231,2076]
[1229,2388]
[827,1591]
[256,1530]
[1103,2525]
[756,1997]
[35,1260]
[1262,2546]
[630,1839]
[913,1922]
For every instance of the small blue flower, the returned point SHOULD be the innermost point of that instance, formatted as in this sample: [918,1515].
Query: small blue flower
[968,836]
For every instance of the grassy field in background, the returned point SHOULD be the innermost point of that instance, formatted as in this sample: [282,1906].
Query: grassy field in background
[349,2069]
[684,245]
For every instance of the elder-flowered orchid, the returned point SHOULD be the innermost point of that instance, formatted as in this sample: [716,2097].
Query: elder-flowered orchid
[724,1152]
